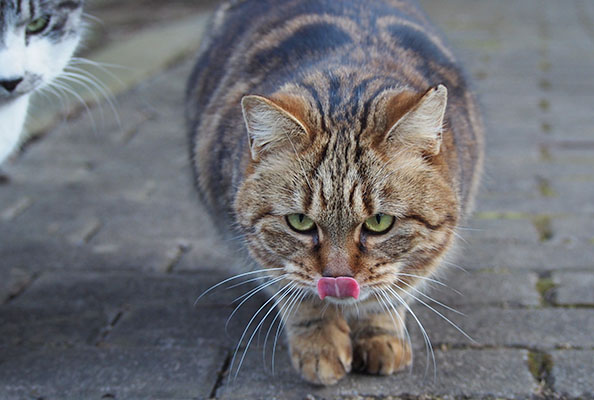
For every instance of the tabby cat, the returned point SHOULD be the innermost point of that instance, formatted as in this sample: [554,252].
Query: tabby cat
[340,141]
[37,40]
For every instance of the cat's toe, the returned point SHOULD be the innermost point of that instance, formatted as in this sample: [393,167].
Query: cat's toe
[322,360]
[382,354]
[324,367]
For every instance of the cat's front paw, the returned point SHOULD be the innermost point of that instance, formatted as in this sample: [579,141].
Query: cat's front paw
[381,354]
[323,355]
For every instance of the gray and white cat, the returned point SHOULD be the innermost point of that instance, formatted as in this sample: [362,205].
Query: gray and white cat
[37,40]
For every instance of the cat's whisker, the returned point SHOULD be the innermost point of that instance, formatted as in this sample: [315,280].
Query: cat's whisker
[428,345]
[284,306]
[281,325]
[453,231]
[259,287]
[390,310]
[429,297]
[69,77]
[429,280]
[103,67]
[442,316]
[249,295]
[259,278]
[63,86]
[232,278]
[257,329]
[104,91]
[461,268]
[93,18]
[272,298]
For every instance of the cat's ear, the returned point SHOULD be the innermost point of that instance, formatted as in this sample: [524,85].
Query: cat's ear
[421,126]
[269,125]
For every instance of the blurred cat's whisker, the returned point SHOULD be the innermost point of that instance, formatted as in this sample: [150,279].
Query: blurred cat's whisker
[64,87]
[272,298]
[104,91]
[93,18]
[71,78]
[461,268]
[428,345]
[232,278]
[458,235]
[429,297]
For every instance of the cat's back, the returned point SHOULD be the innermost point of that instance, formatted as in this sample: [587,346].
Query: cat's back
[325,46]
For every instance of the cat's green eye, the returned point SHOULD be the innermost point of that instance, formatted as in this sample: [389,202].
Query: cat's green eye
[379,223]
[38,25]
[300,222]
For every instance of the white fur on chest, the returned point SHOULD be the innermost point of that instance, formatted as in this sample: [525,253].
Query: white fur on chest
[12,118]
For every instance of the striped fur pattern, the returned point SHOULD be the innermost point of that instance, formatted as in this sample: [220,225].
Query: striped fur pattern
[37,40]
[338,110]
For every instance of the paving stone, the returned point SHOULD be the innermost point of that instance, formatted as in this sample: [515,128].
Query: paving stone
[121,373]
[484,288]
[14,280]
[572,373]
[534,328]
[460,373]
[480,229]
[541,257]
[574,288]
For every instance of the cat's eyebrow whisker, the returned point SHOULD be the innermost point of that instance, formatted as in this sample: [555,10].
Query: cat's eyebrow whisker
[232,278]
[428,345]
[272,298]
[442,316]
[429,298]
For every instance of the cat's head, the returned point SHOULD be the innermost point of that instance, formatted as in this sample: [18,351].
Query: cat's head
[367,196]
[37,39]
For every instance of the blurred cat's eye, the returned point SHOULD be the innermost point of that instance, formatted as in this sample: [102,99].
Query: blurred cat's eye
[379,223]
[38,25]
[300,222]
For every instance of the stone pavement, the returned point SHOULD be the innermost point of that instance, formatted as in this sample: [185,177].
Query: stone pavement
[103,247]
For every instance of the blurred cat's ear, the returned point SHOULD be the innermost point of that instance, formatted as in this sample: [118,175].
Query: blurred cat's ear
[421,126]
[269,125]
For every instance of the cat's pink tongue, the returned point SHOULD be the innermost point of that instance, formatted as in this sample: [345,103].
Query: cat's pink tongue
[340,287]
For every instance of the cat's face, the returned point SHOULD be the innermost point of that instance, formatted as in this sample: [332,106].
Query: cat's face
[37,39]
[369,202]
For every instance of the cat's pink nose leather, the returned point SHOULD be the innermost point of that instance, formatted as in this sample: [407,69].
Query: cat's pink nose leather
[340,287]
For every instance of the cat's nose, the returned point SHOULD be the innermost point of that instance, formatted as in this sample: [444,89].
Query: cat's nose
[10,84]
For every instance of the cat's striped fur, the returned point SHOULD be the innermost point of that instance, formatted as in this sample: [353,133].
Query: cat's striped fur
[344,106]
